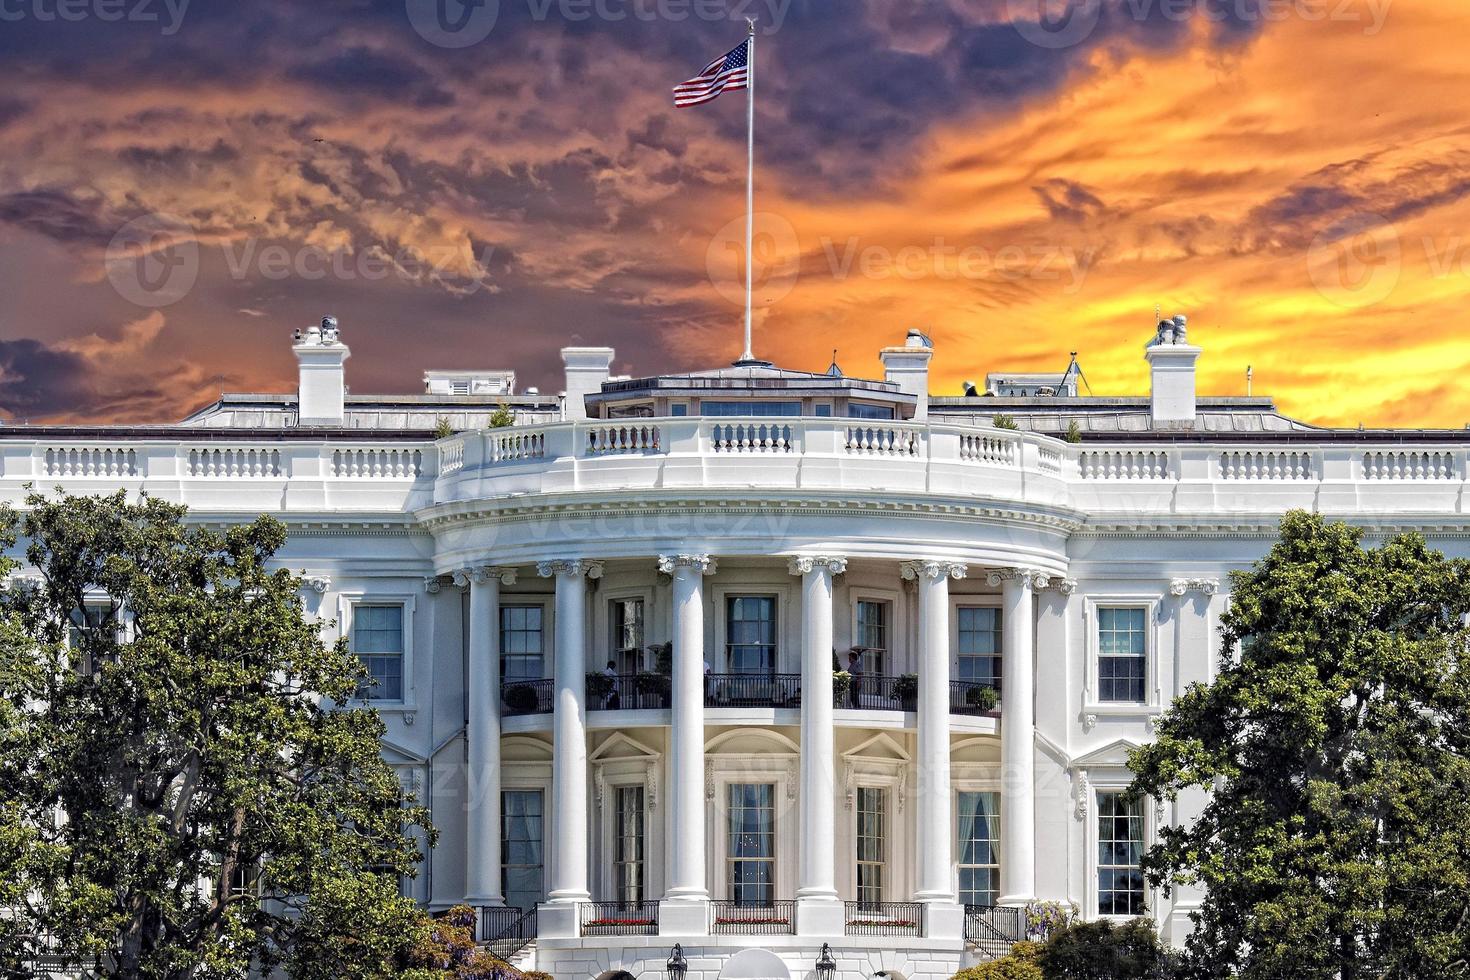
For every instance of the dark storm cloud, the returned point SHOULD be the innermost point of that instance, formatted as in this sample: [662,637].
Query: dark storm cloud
[36,380]
[60,215]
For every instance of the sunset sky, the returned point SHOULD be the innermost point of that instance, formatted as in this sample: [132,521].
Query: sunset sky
[183,186]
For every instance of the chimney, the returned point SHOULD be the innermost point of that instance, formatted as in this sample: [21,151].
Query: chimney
[321,391]
[908,367]
[1171,366]
[587,369]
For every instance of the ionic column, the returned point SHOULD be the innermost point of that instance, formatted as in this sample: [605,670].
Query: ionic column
[819,911]
[687,881]
[569,727]
[1018,732]
[482,827]
[936,832]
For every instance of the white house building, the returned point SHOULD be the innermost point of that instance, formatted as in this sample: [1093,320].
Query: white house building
[604,638]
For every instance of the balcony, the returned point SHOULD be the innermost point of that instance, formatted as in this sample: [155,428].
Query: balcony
[651,692]
[776,918]
[882,918]
[618,918]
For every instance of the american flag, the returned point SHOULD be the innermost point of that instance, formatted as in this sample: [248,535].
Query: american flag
[726,73]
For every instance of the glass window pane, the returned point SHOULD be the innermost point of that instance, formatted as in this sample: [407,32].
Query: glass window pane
[751,848]
[979,847]
[1120,884]
[521,847]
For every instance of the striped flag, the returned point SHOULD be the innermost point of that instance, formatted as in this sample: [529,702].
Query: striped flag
[726,73]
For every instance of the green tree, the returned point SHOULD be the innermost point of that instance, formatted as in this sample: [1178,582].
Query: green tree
[184,797]
[1103,951]
[1336,741]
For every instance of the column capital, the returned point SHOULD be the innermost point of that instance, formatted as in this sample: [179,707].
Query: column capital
[1066,586]
[317,583]
[481,574]
[1204,586]
[668,564]
[801,564]
[576,567]
[1030,578]
[932,569]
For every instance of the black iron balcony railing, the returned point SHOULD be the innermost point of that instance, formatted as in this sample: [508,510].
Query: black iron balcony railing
[973,697]
[752,690]
[878,692]
[627,692]
[526,697]
[993,929]
[506,930]
[618,918]
[882,918]
[776,918]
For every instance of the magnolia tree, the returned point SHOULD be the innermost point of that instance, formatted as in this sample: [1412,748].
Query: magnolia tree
[180,796]
[1335,743]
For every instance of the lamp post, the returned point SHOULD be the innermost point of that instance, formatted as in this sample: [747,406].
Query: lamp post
[677,965]
[826,965]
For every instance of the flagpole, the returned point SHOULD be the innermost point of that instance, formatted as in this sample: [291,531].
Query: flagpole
[749,355]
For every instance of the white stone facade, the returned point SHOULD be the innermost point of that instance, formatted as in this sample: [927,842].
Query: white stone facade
[487,574]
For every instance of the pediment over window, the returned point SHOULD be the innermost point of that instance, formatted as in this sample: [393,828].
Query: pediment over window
[524,748]
[880,748]
[1113,754]
[621,748]
[751,741]
[397,755]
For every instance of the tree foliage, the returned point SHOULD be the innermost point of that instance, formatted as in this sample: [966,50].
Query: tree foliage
[1104,951]
[1336,742]
[180,793]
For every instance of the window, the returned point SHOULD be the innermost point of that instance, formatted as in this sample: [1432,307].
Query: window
[751,855]
[521,828]
[871,839]
[1121,654]
[678,411]
[85,621]
[522,643]
[459,387]
[750,409]
[979,848]
[751,634]
[857,410]
[872,634]
[377,639]
[628,845]
[627,633]
[822,411]
[979,645]
[1119,851]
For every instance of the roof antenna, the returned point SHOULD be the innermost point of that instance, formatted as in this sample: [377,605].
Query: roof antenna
[1249,375]
[834,371]
[1068,373]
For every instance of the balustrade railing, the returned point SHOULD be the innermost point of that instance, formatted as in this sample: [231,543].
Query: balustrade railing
[618,918]
[878,439]
[526,697]
[752,690]
[235,463]
[1410,465]
[994,929]
[91,461]
[882,918]
[753,437]
[616,439]
[378,464]
[774,918]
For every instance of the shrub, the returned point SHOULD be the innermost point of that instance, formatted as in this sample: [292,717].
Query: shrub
[1004,421]
[841,685]
[906,687]
[442,428]
[1005,968]
[1074,432]
[537,975]
[983,698]
[1086,950]
[503,417]
[1045,918]
[651,683]
[522,697]
[599,686]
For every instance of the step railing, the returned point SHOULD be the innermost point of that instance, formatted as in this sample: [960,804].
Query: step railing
[517,930]
[994,929]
